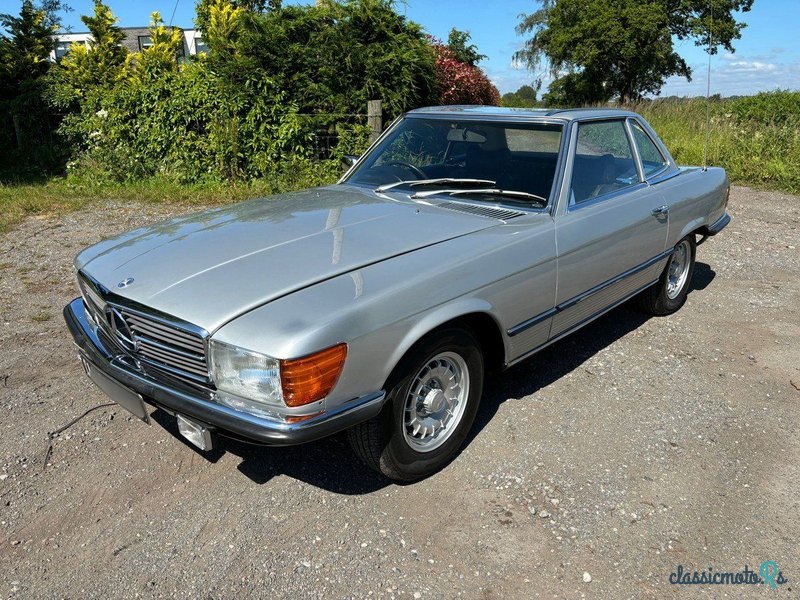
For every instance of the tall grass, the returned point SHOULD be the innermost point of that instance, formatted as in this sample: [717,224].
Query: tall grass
[755,138]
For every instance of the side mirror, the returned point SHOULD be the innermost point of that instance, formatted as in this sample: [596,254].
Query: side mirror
[348,160]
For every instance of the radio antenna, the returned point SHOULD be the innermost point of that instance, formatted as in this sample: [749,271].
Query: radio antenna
[708,85]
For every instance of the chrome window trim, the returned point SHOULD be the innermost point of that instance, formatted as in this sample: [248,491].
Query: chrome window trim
[637,158]
[562,200]
[630,122]
[368,151]
[656,140]
[561,161]
[663,175]
[639,185]
[656,174]
[517,119]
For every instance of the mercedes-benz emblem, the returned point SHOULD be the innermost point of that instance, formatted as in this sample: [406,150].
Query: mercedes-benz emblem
[121,329]
[125,282]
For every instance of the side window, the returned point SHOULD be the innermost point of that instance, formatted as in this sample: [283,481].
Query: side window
[652,159]
[603,161]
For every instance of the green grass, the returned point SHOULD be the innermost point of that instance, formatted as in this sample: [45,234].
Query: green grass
[756,139]
[57,195]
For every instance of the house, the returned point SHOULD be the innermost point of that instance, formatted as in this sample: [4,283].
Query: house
[135,40]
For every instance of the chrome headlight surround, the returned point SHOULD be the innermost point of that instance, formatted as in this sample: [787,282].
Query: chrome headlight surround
[258,384]
[253,380]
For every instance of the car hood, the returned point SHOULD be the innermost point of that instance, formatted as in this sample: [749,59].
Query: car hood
[209,267]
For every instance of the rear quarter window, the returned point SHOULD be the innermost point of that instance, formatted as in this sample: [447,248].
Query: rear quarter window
[533,140]
[652,159]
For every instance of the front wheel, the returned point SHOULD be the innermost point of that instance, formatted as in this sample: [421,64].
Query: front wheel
[669,294]
[431,405]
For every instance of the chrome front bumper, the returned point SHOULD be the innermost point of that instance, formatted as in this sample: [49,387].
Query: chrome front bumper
[178,398]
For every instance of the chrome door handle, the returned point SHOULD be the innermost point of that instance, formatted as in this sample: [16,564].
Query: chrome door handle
[661,210]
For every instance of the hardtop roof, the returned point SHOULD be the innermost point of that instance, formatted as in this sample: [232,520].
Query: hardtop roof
[565,114]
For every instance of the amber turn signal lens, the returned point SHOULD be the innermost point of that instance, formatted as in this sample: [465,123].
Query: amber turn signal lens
[311,378]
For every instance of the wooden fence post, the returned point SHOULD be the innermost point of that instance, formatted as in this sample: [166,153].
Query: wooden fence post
[17,131]
[375,119]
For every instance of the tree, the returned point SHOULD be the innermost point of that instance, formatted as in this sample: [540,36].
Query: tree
[461,49]
[102,62]
[24,62]
[329,58]
[25,50]
[624,49]
[163,53]
[51,10]
[524,97]
[203,8]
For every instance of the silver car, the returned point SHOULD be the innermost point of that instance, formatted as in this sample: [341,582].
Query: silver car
[463,241]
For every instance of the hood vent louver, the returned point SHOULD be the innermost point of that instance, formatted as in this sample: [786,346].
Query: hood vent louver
[493,212]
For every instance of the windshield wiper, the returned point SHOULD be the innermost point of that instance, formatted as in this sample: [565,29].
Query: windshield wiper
[438,181]
[486,192]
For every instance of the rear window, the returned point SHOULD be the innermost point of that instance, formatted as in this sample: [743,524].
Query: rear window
[533,140]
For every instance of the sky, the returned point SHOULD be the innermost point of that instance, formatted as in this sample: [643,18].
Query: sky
[767,57]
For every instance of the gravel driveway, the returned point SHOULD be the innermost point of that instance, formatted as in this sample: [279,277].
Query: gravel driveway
[595,468]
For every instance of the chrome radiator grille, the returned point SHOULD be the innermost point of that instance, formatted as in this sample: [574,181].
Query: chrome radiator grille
[155,341]
[167,346]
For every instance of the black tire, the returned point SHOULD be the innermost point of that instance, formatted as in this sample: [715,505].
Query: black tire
[380,442]
[656,299]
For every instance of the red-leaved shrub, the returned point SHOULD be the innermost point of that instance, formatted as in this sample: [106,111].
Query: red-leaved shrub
[460,83]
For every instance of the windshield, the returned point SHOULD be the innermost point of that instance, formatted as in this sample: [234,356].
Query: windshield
[514,156]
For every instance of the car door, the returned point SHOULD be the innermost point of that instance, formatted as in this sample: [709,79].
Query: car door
[611,226]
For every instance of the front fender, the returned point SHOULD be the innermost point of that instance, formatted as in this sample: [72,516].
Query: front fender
[438,316]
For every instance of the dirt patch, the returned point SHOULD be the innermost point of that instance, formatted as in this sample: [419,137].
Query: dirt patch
[622,451]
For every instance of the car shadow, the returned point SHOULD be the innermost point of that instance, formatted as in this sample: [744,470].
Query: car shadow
[565,356]
[329,463]
[554,362]
[702,277]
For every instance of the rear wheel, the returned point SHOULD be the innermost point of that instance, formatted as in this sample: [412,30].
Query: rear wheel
[669,294]
[432,401]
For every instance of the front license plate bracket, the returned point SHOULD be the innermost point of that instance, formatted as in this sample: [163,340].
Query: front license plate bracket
[125,397]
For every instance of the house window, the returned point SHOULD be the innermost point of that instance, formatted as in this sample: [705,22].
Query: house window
[200,45]
[145,42]
[63,46]
[61,49]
